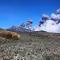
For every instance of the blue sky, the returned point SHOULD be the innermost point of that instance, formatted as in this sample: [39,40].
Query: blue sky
[15,12]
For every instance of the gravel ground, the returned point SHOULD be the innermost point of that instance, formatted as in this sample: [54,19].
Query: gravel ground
[35,49]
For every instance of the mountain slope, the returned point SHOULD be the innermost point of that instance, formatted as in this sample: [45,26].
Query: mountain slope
[9,34]
[18,29]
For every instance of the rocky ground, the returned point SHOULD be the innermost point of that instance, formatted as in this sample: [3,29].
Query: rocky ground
[29,48]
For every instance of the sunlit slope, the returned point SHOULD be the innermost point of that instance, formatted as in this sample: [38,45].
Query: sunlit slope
[9,34]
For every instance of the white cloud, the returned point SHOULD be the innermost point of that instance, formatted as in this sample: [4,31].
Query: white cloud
[51,24]
[36,28]
[45,16]
[55,16]
[58,11]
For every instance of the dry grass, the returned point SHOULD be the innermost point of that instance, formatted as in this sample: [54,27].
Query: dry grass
[9,35]
[30,47]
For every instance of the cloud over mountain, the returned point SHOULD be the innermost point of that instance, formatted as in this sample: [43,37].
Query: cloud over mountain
[50,24]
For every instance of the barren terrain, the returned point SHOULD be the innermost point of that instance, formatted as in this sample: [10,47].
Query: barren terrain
[31,46]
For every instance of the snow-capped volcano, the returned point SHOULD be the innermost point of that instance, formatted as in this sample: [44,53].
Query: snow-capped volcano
[47,23]
[24,27]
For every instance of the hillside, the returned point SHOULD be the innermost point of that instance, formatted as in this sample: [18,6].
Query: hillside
[31,46]
[9,34]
